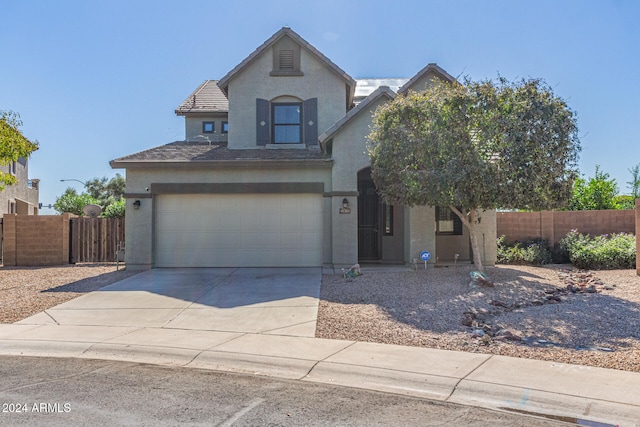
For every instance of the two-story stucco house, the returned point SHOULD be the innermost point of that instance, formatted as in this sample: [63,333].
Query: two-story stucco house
[21,198]
[273,171]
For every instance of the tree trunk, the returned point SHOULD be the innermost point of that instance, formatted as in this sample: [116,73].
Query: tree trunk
[470,223]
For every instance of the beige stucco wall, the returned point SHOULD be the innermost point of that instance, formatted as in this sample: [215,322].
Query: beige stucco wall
[449,245]
[140,237]
[487,237]
[193,127]
[424,82]
[255,82]
[420,235]
[349,154]
[138,180]
[24,197]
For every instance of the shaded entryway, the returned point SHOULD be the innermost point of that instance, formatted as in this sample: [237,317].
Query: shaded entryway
[380,226]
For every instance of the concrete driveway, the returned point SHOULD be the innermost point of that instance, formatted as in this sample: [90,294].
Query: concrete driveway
[281,301]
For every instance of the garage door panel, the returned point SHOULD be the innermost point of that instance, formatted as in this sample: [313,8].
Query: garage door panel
[260,230]
[311,221]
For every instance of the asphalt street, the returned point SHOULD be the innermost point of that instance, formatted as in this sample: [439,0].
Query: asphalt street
[64,392]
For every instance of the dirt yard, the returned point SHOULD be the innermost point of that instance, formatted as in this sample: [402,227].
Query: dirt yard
[25,291]
[549,313]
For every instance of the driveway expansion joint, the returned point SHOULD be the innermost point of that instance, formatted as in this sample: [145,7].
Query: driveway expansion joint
[51,317]
[455,387]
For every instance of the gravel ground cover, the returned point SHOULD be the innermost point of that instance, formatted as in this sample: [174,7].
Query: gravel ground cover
[553,313]
[531,312]
[25,291]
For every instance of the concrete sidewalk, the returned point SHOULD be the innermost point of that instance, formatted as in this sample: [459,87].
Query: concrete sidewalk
[159,327]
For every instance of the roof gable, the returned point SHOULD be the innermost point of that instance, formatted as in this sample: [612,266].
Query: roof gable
[381,92]
[430,68]
[286,31]
[207,98]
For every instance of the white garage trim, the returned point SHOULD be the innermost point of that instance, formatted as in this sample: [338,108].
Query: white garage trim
[238,230]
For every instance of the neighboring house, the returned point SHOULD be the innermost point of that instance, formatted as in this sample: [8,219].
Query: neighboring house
[273,171]
[21,198]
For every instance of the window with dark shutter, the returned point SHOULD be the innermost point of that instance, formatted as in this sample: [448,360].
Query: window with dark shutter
[286,123]
[263,111]
[310,113]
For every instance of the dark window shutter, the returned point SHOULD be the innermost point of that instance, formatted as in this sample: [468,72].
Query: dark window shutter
[310,117]
[262,121]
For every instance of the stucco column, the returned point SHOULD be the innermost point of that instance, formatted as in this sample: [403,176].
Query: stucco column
[138,251]
[344,231]
[487,237]
[420,235]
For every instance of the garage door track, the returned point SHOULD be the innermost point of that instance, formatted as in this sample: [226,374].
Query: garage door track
[280,301]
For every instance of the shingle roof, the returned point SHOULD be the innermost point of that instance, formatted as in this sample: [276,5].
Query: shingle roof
[286,31]
[190,152]
[207,98]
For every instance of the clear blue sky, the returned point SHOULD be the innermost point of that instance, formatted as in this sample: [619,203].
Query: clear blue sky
[100,79]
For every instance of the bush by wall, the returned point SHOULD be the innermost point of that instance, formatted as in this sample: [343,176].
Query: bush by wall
[533,252]
[604,252]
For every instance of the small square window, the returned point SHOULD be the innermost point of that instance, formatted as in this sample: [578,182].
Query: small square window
[225,127]
[208,127]
[447,222]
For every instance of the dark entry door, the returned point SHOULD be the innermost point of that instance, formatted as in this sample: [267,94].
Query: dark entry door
[368,222]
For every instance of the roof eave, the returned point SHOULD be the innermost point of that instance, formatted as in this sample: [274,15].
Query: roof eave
[338,125]
[228,164]
[200,111]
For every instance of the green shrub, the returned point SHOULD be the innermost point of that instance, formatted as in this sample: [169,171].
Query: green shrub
[533,252]
[604,252]
[115,209]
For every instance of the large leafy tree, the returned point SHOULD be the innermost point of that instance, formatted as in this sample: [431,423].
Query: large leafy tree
[474,146]
[13,144]
[597,193]
[72,202]
[105,192]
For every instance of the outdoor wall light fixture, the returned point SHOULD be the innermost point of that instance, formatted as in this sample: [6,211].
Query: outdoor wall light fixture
[136,204]
[345,203]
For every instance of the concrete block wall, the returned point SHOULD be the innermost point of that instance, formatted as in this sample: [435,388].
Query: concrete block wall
[36,240]
[554,225]
[518,225]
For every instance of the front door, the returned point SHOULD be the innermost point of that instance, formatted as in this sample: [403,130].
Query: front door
[368,221]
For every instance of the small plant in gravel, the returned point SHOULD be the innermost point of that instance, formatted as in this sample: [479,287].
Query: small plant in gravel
[605,252]
[531,252]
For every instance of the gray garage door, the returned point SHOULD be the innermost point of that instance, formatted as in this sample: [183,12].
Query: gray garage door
[246,230]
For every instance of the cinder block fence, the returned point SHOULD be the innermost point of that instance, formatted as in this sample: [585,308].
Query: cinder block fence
[30,240]
[552,226]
